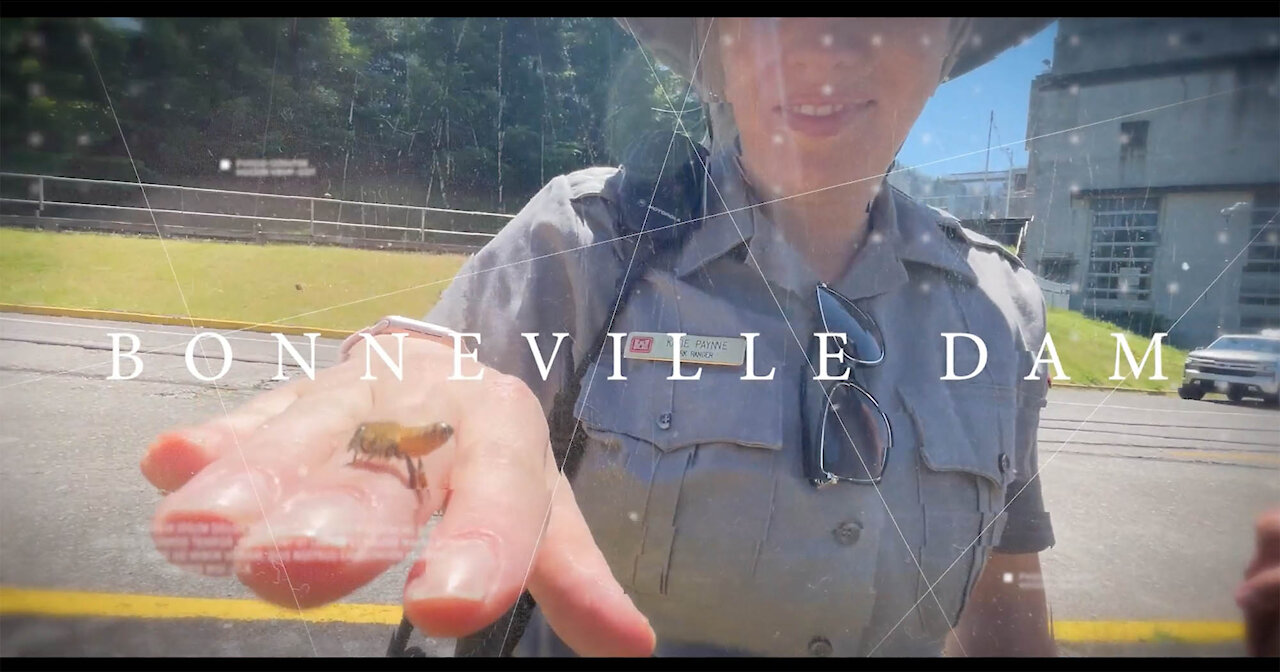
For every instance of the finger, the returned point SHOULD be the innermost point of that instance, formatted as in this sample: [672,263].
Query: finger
[218,504]
[475,562]
[340,531]
[1267,533]
[1261,592]
[1259,598]
[180,453]
[572,582]
[347,523]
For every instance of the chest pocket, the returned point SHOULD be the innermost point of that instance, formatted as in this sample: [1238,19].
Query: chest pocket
[965,434]
[677,476]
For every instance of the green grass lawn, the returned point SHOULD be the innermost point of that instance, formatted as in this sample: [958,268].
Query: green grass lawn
[259,283]
[230,281]
[1087,351]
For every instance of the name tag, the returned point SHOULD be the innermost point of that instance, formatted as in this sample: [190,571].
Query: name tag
[658,347]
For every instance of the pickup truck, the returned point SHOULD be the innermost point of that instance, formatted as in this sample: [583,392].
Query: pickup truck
[1238,365]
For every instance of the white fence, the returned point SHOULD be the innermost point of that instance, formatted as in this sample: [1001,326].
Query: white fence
[1056,294]
[977,206]
[74,202]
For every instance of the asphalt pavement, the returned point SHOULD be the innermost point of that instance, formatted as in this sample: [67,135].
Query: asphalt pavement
[1152,497]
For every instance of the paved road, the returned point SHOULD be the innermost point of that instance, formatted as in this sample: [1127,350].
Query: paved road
[1152,499]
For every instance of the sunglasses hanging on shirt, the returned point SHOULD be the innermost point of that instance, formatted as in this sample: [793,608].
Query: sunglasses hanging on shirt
[853,436]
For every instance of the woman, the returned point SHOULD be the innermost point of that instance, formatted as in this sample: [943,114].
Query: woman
[794,494]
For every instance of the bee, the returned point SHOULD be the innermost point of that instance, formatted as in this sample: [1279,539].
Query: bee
[390,440]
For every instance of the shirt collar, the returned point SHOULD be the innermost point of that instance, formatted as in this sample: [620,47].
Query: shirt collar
[731,212]
[928,237]
[901,230]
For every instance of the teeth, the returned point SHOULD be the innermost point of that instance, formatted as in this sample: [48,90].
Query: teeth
[818,111]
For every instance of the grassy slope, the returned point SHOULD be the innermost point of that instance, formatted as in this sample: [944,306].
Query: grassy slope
[1087,351]
[257,283]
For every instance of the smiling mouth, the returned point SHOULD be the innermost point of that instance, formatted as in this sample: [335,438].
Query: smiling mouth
[821,118]
[823,110]
[815,110]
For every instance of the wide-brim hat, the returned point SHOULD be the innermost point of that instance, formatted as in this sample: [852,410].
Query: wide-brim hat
[675,41]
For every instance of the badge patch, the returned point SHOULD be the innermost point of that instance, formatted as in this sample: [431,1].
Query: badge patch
[719,350]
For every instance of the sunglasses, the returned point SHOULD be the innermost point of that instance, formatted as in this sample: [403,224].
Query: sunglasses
[853,436]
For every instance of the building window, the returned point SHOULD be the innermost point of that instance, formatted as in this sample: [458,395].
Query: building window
[1256,323]
[1260,277]
[1057,269]
[1122,248]
[1133,139]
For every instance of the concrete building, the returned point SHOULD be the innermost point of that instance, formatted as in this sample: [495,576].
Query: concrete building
[995,203]
[1143,137]
[982,195]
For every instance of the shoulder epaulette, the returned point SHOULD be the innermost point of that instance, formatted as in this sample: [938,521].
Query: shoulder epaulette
[952,227]
[589,181]
[983,242]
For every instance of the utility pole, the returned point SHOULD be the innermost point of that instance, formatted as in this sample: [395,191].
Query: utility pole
[1008,184]
[986,166]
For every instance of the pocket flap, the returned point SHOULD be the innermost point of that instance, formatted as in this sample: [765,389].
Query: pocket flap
[674,414]
[961,426]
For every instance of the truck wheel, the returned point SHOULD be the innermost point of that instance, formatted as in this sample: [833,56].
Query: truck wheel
[1235,394]
[1192,392]
[1273,400]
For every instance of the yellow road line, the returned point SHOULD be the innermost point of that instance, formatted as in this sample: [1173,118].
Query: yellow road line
[40,602]
[1200,632]
[1228,456]
[171,320]
[122,605]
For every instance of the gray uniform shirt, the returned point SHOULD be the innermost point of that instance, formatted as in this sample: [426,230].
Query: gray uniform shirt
[694,490]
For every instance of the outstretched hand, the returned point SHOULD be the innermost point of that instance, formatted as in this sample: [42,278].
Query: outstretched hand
[267,494]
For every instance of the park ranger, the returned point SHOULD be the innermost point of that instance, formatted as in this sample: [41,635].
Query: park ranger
[842,462]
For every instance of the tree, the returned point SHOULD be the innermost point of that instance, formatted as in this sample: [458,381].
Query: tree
[474,112]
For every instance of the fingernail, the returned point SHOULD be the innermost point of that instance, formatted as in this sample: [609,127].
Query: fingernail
[174,457]
[462,569]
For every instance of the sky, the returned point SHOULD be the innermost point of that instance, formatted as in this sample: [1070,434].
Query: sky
[951,134]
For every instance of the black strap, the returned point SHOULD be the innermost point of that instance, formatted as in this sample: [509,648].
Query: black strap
[652,222]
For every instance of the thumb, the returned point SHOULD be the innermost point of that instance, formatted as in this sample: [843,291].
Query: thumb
[582,601]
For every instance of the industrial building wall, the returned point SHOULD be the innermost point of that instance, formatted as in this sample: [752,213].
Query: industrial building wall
[1197,245]
[1184,137]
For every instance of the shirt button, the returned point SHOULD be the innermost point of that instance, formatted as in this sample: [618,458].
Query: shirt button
[847,533]
[1004,462]
[819,646]
[664,421]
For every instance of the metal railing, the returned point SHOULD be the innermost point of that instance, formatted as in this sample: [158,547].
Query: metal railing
[977,206]
[1056,294]
[224,213]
